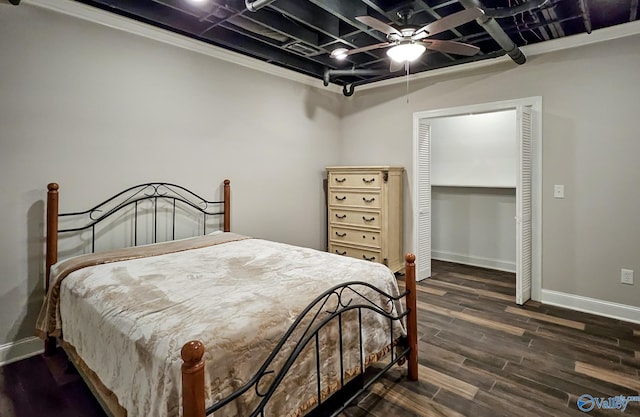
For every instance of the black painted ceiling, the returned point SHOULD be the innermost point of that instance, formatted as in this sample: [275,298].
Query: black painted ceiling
[300,34]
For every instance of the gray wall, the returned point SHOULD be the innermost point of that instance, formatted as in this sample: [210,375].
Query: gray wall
[590,144]
[476,150]
[97,110]
[474,225]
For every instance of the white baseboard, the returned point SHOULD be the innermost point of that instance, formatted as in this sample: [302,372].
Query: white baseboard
[591,305]
[460,258]
[22,349]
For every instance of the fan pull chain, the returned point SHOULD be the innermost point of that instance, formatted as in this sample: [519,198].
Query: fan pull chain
[406,68]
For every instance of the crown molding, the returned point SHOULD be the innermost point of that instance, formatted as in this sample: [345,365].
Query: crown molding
[582,39]
[115,21]
[437,72]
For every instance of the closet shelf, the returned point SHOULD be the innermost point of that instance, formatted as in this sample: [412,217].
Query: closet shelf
[474,186]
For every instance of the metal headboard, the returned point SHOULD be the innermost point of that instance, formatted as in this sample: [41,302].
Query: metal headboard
[131,197]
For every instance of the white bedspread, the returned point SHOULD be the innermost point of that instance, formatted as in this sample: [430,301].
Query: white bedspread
[128,321]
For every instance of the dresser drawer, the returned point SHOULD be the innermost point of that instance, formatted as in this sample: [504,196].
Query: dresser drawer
[355,199]
[355,180]
[368,255]
[354,217]
[359,237]
[364,210]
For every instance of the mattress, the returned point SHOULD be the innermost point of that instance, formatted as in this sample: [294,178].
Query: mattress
[128,315]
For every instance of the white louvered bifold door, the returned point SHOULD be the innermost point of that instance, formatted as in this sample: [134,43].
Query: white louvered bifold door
[423,191]
[523,206]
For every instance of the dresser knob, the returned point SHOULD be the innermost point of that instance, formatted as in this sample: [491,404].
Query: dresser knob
[341,253]
[341,234]
[371,200]
[373,258]
[341,216]
[368,220]
[340,180]
[366,181]
[341,198]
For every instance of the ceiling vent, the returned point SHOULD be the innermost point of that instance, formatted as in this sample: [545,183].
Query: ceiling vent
[303,49]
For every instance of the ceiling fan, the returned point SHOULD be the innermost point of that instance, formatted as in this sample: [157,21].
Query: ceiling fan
[407,42]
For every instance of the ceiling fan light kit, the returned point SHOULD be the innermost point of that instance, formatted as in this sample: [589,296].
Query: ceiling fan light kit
[406,51]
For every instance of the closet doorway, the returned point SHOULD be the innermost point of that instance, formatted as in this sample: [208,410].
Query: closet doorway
[489,168]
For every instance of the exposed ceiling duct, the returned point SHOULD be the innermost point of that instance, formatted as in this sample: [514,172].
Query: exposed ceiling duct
[250,26]
[586,14]
[497,33]
[252,6]
[242,22]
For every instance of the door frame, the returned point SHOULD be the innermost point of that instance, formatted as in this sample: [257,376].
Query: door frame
[535,103]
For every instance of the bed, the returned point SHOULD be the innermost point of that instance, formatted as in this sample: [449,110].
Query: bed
[221,322]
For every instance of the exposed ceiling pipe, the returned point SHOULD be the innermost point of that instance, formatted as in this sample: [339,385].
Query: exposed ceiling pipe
[328,73]
[493,28]
[527,6]
[586,15]
[348,90]
[256,5]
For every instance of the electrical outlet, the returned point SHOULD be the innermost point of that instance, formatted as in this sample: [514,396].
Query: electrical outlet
[558,191]
[626,276]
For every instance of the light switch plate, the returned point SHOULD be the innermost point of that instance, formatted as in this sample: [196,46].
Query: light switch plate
[558,191]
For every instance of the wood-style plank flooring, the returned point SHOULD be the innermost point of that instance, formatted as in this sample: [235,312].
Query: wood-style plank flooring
[480,355]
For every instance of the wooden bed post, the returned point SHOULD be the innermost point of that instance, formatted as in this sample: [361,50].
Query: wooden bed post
[412,317]
[227,206]
[51,256]
[52,229]
[193,379]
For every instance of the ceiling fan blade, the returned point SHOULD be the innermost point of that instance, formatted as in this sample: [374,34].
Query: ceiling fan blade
[448,22]
[378,25]
[396,66]
[451,47]
[366,48]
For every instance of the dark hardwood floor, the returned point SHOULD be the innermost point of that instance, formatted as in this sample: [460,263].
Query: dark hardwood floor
[480,355]
[45,387]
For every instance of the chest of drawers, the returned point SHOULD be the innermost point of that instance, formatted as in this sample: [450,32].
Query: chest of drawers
[365,213]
